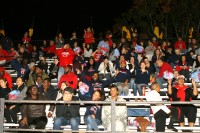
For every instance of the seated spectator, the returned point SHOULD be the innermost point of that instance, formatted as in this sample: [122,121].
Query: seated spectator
[96,83]
[120,112]
[43,62]
[149,50]
[38,72]
[142,79]
[87,52]
[34,54]
[4,56]
[106,69]
[67,114]
[4,91]
[181,92]
[59,40]
[13,53]
[53,69]
[18,93]
[70,77]
[33,114]
[196,64]
[180,44]
[123,79]
[50,51]
[4,74]
[183,67]
[21,68]
[92,115]
[114,52]
[30,72]
[48,90]
[163,67]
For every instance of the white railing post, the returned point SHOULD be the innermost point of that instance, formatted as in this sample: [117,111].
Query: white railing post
[113,104]
[2,103]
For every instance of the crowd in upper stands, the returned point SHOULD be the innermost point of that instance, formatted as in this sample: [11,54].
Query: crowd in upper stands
[84,68]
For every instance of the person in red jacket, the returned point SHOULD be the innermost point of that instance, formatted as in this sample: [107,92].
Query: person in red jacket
[69,77]
[180,44]
[4,56]
[66,57]
[163,67]
[4,74]
[51,50]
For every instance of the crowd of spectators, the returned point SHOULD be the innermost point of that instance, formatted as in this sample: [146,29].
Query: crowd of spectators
[84,69]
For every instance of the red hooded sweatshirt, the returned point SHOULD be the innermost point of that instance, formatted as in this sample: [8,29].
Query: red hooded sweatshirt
[66,56]
[70,78]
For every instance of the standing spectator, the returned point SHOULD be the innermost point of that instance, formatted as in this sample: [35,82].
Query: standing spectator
[181,92]
[160,111]
[67,114]
[33,114]
[120,114]
[89,37]
[66,57]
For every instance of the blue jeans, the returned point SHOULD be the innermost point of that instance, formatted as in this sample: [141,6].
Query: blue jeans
[61,71]
[62,121]
[160,81]
[92,124]
[139,89]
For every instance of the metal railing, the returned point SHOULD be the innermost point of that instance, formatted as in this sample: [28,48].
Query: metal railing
[113,103]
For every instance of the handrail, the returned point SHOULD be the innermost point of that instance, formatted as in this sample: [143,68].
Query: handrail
[112,102]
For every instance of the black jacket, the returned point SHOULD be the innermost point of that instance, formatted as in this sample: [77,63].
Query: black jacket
[71,111]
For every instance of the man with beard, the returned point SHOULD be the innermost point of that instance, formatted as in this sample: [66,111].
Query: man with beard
[70,77]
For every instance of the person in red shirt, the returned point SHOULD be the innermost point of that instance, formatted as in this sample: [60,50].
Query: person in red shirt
[66,57]
[69,77]
[180,44]
[88,36]
[4,74]
[163,67]
[51,50]
[4,56]
[26,38]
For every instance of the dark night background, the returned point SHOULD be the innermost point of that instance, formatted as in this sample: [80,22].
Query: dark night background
[69,15]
